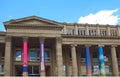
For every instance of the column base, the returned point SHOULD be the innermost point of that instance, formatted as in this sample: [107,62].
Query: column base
[89,73]
[42,74]
[25,74]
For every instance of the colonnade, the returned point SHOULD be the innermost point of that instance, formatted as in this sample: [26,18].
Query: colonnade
[115,68]
[59,58]
[8,58]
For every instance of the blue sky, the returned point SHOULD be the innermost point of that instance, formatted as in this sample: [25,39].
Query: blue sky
[58,10]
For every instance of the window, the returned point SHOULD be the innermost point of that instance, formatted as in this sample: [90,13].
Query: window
[70,56]
[83,59]
[108,70]
[106,58]
[1,69]
[83,70]
[70,32]
[64,68]
[96,70]
[92,32]
[46,55]
[103,32]
[113,32]
[95,57]
[18,55]
[32,55]
[3,56]
[81,32]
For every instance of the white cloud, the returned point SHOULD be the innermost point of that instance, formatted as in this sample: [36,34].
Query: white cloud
[101,17]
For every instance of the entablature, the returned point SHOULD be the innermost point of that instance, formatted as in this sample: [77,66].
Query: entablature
[90,40]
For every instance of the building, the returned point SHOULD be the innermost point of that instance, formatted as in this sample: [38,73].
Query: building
[36,46]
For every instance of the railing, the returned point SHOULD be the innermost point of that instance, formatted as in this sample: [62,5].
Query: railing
[95,59]
[38,59]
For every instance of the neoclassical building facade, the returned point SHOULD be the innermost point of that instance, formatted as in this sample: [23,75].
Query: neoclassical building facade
[35,46]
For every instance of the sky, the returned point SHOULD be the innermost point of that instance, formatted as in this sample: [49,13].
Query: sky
[70,11]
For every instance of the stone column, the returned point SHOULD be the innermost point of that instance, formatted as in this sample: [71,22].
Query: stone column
[74,60]
[25,56]
[59,57]
[114,61]
[101,60]
[42,63]
[88,61]
[7,66]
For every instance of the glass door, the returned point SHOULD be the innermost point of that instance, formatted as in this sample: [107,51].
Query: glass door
[33,71]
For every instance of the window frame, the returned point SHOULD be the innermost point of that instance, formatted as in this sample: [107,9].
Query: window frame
[21,54]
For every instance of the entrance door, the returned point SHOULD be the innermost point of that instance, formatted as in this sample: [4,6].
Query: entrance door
[33,71]
[47,70]
[18,70]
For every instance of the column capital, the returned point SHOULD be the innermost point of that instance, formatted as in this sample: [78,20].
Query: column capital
[113,45]
[59,40]
[8,38]
[25,38]
[87,45]
[41,39]
[100,45]
[73,45]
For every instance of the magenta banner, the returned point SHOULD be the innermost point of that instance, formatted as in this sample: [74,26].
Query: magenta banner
[25,56]
[42,57]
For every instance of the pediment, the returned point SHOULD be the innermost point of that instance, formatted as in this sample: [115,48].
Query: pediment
[32,20]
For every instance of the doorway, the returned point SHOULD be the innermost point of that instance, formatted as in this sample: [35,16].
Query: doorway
[33,70]
[47,71]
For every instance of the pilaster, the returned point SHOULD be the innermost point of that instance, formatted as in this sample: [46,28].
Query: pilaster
[87,30]
[65,29]
[98,30]
[108,30]
[76,29]
[118,31]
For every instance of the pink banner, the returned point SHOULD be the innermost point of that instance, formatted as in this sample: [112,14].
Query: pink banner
[25,54]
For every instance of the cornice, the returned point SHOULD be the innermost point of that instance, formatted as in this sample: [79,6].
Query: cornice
[89,25]
[29,18]
[2,33]
[91,37]
[34,26]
